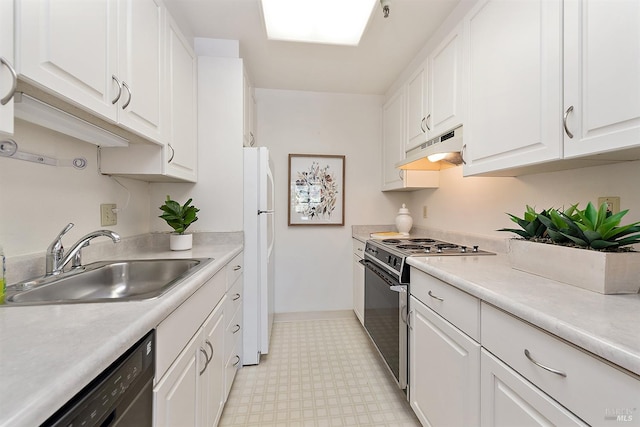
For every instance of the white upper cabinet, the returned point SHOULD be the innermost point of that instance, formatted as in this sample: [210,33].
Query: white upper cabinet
[445,89]
[393,137]
[417,107]
[434,92]
[102,55]
[601,76]
[140,59]
[514,76]
[392,140]
[7,71]
[70,48]
[182,103]
[249,137]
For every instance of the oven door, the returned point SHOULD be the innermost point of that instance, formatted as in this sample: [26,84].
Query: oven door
[385,307]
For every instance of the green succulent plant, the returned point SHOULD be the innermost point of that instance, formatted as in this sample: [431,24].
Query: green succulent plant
[556,225]
[531,225]
[598,228]
[179,217]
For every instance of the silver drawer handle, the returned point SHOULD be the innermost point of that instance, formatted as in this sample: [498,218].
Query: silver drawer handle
[564,121]
[426,122]
[409,319]
[540,365]
[211,348]
[237,267]
[206,357]
[360,249]
[435,297]
[236,297]
[237,360]
[126,104]
[236,329]
[173,153]
[113,101]
[424,119]
[14,81]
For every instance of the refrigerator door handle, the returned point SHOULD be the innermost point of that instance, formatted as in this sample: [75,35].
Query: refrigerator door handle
[260,212]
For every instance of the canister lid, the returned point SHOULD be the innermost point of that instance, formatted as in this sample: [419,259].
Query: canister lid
[403,210]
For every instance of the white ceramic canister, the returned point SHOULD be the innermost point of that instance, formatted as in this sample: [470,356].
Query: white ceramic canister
[404,222]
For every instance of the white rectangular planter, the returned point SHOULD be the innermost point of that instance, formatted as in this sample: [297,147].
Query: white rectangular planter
[603,272]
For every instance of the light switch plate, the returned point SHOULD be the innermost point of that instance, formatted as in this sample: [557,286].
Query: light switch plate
[613,203]
[107,215]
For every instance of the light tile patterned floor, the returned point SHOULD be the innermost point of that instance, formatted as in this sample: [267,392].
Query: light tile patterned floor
[318,373]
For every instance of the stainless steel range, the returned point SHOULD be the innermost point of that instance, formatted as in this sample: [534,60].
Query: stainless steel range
[385,294]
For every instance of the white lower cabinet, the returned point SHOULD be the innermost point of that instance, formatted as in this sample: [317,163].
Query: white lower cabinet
[593,390]
[358,280]
[510,400]
[444,370]
[194,346]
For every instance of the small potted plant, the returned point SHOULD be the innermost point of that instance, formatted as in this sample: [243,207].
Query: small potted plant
[585,248]
[179,218]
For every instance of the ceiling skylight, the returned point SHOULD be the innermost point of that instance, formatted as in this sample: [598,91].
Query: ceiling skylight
[317,21]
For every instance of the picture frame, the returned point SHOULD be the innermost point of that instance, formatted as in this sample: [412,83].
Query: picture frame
[316,189]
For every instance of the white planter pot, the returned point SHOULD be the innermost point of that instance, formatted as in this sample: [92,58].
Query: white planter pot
[603,272]
[180,242]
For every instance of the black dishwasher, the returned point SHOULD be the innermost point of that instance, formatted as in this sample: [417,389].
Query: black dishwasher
[122,395]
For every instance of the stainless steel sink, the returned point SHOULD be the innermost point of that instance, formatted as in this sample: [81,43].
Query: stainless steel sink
[106,281]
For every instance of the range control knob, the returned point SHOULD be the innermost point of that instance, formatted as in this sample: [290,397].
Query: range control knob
[475,248]
[463,249]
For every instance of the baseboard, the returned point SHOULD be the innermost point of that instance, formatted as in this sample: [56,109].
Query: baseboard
[314,315]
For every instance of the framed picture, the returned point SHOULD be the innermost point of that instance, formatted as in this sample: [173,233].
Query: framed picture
[316,189]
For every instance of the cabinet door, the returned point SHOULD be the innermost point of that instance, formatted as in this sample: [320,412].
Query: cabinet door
[445,85]
[140,66]
[513,52]
[358,288]
[510,400]
[392,140]
[249,111]
[601,80]
[212,389]
[182,147]
[417,107]
[70,47]
[176,395]
[444,371]
[6,77]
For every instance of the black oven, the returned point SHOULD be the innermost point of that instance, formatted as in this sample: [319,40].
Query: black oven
[385,315]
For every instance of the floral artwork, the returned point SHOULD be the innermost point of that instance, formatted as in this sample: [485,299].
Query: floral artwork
[316,190]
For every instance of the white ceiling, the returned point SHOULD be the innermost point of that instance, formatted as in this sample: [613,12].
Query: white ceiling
[386,48]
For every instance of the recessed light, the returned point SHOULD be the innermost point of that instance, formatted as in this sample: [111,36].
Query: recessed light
[317,21]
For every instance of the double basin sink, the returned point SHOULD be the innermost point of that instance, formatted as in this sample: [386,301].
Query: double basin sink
[106,281]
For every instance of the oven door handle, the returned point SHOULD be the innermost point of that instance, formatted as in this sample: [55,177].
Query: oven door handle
[393,284]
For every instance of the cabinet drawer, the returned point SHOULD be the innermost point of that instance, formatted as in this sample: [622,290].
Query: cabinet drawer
[234,270]
[458,307]
[233,364]
[174,332]
[234,301]
[589,387]
[358,248]
[233,333]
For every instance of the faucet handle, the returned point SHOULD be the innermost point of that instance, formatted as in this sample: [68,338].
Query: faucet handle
[57,244]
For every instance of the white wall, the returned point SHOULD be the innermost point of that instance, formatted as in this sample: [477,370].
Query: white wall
[37,200]
[478,204]
[313,263]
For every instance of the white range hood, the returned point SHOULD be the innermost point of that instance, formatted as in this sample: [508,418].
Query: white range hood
[435,154]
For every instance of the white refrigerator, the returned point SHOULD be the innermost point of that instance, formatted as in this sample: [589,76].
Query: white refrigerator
[258,254]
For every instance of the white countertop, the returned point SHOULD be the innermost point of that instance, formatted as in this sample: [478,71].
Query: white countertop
[605,325]
[49,353]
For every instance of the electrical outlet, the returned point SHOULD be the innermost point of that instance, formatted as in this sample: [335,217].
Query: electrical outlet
[424,212]
[107,215]
[613,203]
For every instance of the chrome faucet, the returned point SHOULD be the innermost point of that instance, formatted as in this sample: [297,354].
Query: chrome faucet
[56,259]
